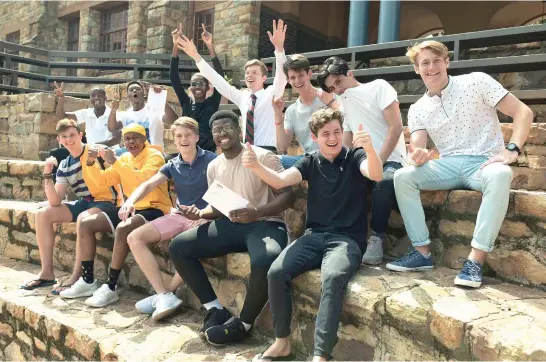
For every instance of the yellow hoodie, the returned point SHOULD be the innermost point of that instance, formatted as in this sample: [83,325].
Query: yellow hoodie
[130,172]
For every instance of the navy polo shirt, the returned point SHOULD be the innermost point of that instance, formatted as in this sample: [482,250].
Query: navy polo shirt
[190,179]
[337,194]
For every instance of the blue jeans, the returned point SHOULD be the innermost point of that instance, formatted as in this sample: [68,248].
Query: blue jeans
[289,161]
[451,173]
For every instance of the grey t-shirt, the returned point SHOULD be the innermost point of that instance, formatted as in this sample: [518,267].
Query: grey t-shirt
[297,118]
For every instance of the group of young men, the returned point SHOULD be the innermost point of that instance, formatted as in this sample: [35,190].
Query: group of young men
[352,135]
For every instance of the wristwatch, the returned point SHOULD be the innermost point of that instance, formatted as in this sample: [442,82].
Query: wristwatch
[513,147]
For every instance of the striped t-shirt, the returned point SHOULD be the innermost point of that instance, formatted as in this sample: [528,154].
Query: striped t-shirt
[72,171]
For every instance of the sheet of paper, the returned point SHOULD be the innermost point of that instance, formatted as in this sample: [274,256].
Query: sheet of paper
[157,100]
[223,199]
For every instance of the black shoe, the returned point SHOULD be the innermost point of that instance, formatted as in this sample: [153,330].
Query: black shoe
[215,317]
[234,331]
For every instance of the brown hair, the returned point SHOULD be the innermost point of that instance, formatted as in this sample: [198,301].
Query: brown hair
[323,116]
[65,124]
[435,46]
[296,62]
[186,122]
[257,62]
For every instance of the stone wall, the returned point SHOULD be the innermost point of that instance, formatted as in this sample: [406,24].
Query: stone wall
[21,181]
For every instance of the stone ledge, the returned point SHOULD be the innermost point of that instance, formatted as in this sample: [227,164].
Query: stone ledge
[35,324]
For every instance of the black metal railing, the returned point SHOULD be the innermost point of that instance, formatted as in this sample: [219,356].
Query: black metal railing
[46,60]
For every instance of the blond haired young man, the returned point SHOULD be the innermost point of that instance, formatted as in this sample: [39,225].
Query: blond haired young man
[460,115]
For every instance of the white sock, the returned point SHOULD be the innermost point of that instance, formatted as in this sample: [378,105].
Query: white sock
[247,326]
[427,256]
[214,304]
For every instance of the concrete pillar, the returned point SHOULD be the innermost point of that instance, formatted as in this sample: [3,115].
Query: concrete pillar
[358,23]
[389,21]
[89,38]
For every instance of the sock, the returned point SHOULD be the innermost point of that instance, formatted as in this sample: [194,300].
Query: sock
[87,271]
[247,326]
[214,304]
[113,276]
[427,256]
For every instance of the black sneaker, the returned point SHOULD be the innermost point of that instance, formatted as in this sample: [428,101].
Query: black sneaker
[233,331]
[215,317]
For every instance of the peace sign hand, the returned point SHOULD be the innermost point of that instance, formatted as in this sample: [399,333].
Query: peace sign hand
[58,90]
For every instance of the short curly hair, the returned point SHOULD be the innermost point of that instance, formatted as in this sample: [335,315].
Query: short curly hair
[324,116]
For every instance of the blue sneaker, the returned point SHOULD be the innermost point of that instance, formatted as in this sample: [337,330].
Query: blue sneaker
[412,261]
[470,275]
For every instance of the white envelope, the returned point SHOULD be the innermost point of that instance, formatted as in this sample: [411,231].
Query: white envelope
[223,199]
[157,100]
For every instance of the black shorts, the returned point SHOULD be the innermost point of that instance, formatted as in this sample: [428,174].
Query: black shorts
[81,205]
[147,214]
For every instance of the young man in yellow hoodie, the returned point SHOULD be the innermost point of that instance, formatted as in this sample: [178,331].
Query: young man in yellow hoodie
[130,170]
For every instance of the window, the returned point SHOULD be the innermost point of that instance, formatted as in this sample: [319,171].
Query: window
[73,44]
[432,33]
[203,17]
[14,37]
[113,32]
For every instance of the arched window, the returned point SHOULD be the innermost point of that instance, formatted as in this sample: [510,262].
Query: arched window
[432,33]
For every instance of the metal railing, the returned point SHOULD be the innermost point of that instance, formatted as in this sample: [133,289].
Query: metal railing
[138,63]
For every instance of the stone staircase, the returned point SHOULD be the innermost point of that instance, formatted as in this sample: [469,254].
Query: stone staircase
[386,315]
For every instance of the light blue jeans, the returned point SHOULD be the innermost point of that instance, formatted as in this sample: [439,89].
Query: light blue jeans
[451,173]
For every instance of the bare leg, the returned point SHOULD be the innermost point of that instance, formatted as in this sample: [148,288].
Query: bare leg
[45,237]
[87,243]
[281,347]
[121,248]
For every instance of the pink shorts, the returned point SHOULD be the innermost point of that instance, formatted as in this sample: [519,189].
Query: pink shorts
[173,224]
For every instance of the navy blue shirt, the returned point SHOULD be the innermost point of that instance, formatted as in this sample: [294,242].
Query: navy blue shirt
[190,180]
[336,201]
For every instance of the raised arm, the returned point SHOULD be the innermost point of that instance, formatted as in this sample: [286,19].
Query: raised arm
[113,123]
[277,39]
[233,94]
[207,39]
[174,76]
[277,180]
[59,112]
[55,193]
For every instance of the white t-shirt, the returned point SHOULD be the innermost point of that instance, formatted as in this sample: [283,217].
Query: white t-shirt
[96,128]
[297,118]
[364,105]
[150,119]
[463,120]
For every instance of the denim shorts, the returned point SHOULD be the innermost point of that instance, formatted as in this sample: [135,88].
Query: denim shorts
[81,205]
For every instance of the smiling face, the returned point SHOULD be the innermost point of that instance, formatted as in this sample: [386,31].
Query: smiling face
[432,68]
[71,139]
[134,142]
[299,79]
[225,133]
[329,138]
[338,84]
[199,87]
[97,98]
[135,93]
[185,139]
[254,78]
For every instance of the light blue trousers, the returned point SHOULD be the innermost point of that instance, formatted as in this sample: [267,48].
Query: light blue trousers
[452,173]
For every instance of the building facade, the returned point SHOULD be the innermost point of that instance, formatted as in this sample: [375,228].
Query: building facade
[240,27]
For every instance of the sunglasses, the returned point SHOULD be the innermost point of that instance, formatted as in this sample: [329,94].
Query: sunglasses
[198,83]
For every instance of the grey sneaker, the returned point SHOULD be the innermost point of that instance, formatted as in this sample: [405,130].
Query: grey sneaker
[147,305]
[374,251]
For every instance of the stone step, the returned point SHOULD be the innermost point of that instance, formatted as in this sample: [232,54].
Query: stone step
[36,325]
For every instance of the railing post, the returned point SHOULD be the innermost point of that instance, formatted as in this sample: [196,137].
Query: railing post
[456,50]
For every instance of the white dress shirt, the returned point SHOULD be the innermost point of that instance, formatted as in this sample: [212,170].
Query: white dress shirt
[264,115]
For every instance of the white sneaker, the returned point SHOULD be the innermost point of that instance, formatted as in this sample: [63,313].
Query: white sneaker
[374,251]
[80,289]
[166,304]
[147,305]
[102,297]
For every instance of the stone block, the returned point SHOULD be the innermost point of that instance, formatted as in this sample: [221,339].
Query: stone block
[81,343]
[53,328]
[434,199]
[517,265]
[537,162]
[29,237]
[13,352]
[453,254]
[531,204]
[528,179]
[15,251]
[513,229]
[6,330]
[40,345]
[23,337]
[404,306]
[56,353]
[464,202]
[535,150]
[25,168]
[4,215]
[21,193]
[3,166]
[45,123]
[457,228]
[137,278]
[238,265]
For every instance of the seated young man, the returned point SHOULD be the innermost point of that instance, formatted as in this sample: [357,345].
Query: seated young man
[188,171]
[142,114]
[460,116]
[130,170]
[199,107]
[373,105]
[73,173]
[255,103]
[258,229]
[298,115]
[336,228]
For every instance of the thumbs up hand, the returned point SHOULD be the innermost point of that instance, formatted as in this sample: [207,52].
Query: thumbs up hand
[362,139]
[249,159]
[419,156]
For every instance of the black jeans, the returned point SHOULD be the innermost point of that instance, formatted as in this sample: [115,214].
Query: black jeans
[263,240]
[384,198]
[338,258]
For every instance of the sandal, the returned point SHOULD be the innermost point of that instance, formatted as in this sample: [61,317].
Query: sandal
[261,357]
[41,283]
